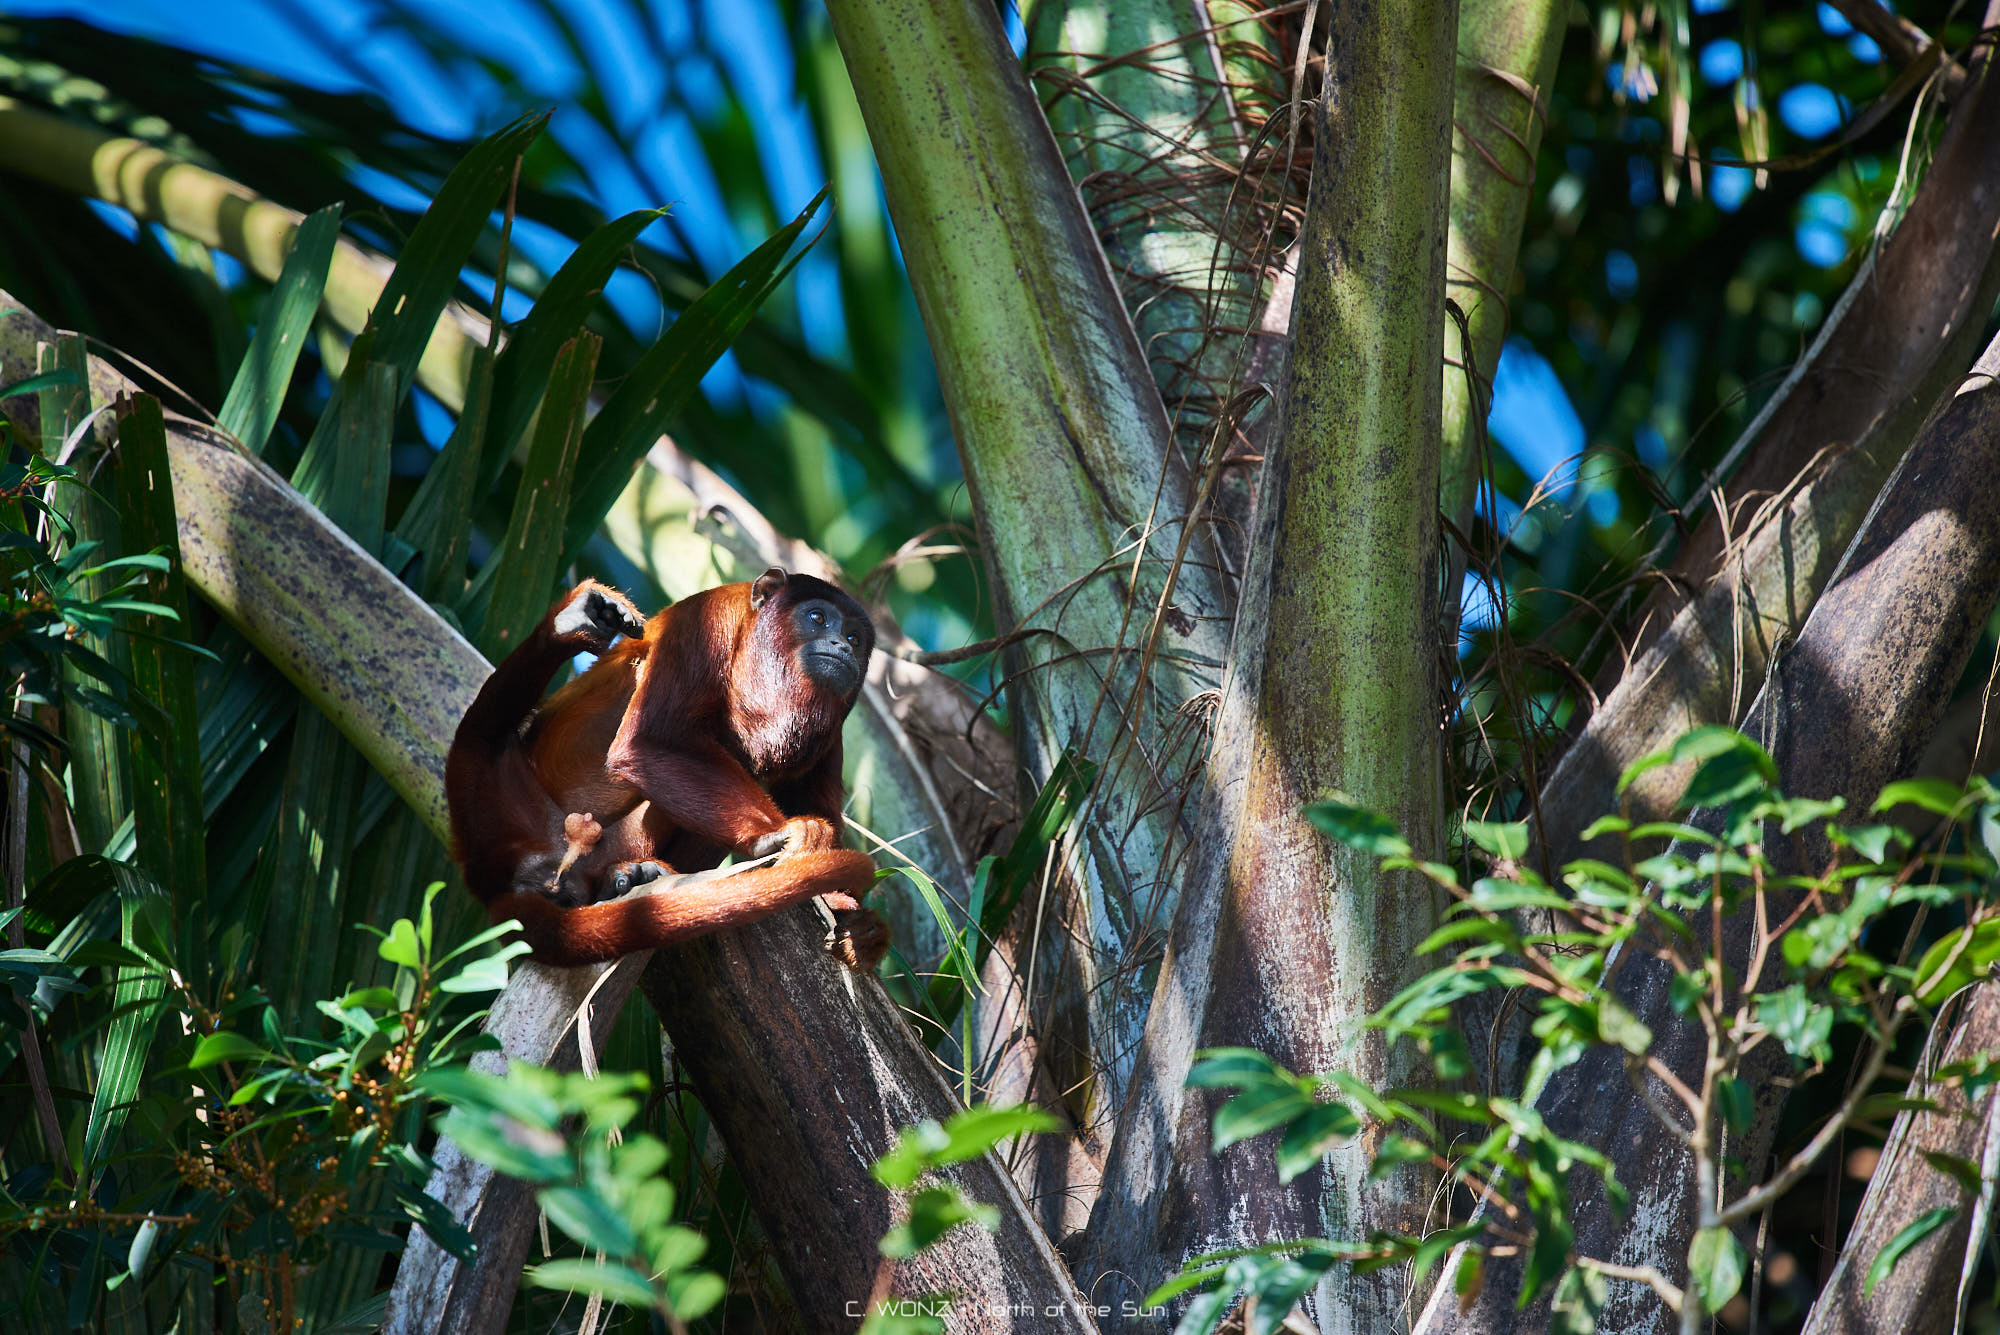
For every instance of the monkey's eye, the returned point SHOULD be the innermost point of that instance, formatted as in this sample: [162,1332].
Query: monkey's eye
[818,617]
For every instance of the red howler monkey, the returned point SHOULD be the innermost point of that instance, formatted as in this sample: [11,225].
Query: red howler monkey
[714,728]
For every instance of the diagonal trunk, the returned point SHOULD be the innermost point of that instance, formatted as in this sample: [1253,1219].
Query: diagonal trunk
[1847,709]
[1816,456]
[1928,1288]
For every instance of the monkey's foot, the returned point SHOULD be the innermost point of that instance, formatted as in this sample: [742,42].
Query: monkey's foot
[595,615]
[623,878]
[860,938]
[800,834]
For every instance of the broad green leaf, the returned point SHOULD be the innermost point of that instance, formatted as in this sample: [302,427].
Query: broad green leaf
[1716,1263]
[1233,1068]
[1803,1026]
[1971,951]
[1960,1169]
[1360,829]
[1934,795]
[214,1049]
[1503,839]
[1579,1303]
[1737,1103]
[971,1133]
[965,1135]
[587,1217]
[1604,825]
[485,974]
[400,946]
[692,1294]
[1255,1111]
[1621,1027]
[531,1153]
[1731,768]
[1308,1139]
[619,1283]
[1871,841]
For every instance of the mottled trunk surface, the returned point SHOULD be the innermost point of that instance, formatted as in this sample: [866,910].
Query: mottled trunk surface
[1285,940]
[1849,708]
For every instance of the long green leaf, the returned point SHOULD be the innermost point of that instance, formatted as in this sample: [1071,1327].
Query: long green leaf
[283,322]
[429,264]
[522,371]
[668,374]
[438,519]
[301,890]
[98,781]
[165,768]
[124,1059]
[515,584]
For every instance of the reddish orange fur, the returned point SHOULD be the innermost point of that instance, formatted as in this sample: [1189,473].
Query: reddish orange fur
[703,737]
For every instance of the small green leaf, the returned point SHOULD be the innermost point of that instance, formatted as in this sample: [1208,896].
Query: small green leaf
[1233,1068]
[1961,1170]
[1732,767]
[1507,840]
[1972,952]
[1309,1137]
[934,1211]
[400,946]
[1797,1022]
[1622,1028]
[588,1218]
[1870,841]
[1358,828]
[1581,1297]
[226,1047]
[1604,825]
[693,1295]
[1911,1234]
[1256,1110]
[1715,1265]
[1934,795]
[619,1283]
[485,974]
[1737,1104]
[971,1133]
[141,1249]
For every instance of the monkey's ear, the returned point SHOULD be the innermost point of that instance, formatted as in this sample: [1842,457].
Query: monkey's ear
[767,586]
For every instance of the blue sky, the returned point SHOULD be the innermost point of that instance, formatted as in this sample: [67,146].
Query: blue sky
[344,47]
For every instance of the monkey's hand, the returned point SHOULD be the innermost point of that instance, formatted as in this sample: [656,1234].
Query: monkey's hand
[800,834]
[594,615]
[859,939]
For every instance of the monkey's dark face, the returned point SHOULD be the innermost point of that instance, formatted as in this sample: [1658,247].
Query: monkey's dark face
[833,643]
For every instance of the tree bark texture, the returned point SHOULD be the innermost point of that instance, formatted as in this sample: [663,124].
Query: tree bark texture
[1847,709]
[1286,941]
[1928,1287]
[1081,503]
[770,1036]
